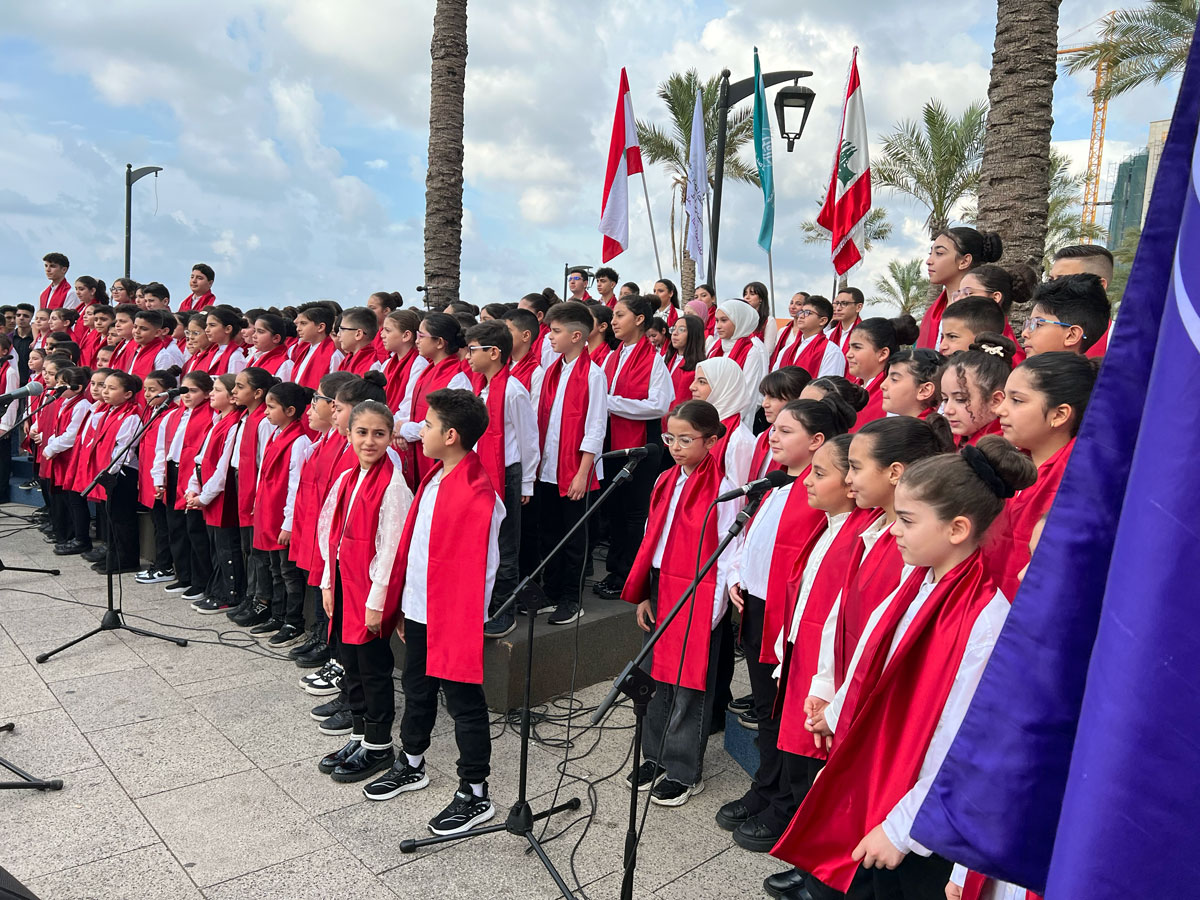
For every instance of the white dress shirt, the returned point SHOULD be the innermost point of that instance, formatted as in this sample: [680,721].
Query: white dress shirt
[807,577]
[297,371]
[751,563]
[594,426]
[739,453]
[659,397]
[215,485]
[65,439]
[833,362]
[410,430]
[12,381]
[520,432]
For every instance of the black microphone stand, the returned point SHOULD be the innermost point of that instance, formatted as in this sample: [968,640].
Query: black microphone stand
[521,817]
[4,406]
[113,620]
[636,684]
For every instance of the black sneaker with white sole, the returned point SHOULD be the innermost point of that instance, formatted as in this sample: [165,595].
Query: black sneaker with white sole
[670,792]
[325,710]
[566,612]
[464,812]
[741,704]
[193,593]
[206,606]
[154,576]
[328,671]
[177,587]
[399,779]
[748,720]
[648,775]
[285,636]
[325,685]
[341,722]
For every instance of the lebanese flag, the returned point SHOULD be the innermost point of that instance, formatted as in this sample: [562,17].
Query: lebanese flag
[624,159]
[848,199]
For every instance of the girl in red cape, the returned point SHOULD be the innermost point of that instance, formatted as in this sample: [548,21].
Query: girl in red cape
[912,386]
[955,252]
[910,682]
[873,343]
[972,383]
[118,490]
[684,661]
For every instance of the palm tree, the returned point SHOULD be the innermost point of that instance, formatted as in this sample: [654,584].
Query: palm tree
[934,161]
[876,229]
[1014,183]
[903,287]
[669,148]
[1144,45]
[444,178]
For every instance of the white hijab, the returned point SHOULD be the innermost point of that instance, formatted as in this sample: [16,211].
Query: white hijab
[730,392]
[745,320]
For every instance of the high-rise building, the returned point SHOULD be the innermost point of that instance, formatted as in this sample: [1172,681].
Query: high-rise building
[1128,195]
[1158,138]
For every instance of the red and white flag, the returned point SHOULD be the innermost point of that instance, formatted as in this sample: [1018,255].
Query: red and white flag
[848,199]
[624,159]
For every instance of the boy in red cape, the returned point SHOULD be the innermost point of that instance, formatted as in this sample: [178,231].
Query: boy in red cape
[437,600]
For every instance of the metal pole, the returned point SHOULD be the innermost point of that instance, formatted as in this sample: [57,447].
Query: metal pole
[128,211]
[718,175]
[653,239]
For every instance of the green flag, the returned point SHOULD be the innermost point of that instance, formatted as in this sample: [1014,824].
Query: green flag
[763,155]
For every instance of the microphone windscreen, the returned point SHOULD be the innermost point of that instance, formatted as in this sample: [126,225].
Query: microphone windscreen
[779,478]
[35,388]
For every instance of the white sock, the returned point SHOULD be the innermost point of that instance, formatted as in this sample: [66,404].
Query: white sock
[415,761]
[478,789]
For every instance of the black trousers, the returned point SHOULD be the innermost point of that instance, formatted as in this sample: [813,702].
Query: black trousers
[556,515]
[229,574]
[768,797]
[120,512]
[722,693]
[56,503]
[162,537]
[465,703]
[177,528]
[508,572]
[6,455]
[287,588]
[916,878]
[626,511]
[368,682]
[78,515]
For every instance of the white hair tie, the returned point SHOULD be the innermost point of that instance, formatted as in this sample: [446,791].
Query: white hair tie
[993,349]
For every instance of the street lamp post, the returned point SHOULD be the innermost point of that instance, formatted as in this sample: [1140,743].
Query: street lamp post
[730,95]
[132,175]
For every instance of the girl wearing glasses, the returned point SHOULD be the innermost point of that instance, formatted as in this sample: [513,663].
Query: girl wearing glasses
[1005,287]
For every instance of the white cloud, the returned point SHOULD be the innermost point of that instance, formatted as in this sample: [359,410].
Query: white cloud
[376,164]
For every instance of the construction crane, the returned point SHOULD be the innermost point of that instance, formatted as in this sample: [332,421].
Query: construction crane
[1091,186]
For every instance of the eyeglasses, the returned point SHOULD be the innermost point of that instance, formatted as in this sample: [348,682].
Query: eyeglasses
[805,313]
[683,441]
[1033,323]
[677,329]
[474,347]
[322,397]
[841,303]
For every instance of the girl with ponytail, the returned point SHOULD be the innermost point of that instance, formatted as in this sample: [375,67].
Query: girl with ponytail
[972,383]
[911,679]
[222,325]
[439,339]
[954,253]
[872,345]
[912,385]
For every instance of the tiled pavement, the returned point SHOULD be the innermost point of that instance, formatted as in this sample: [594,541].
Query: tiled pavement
[192,773]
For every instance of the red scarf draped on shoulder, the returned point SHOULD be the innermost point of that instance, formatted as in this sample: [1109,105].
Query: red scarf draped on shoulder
[53,296]
[992,427]
[222,512]
[271,496]
[490,446]
[738,352]
[142,362]
[632,382]
[803,657]
[318,359]
[194,303]
[200,361]
[60,464]
[397,370]
[352,545]
[460,529]
[122,356]
[434,377]
[867,585]
[718,450]
[106,443]
[841,336]
[809,359]
[762,461]
[678,570]
[272,359]
[601,354]
[85,462]
[360,361]
[330,458]
[248,466]
[710,324]
[799,527]
[523,369]
[891,710]
[681,382]
[198,425]
[781,341]
[147,447]
[931,322]
[539,340]
[572,420]
[1097,349]
[218,363]
[874,408]
[89,346]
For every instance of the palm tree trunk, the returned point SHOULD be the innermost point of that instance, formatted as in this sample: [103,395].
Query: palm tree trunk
[444,179]
[1015,179]
[687,278]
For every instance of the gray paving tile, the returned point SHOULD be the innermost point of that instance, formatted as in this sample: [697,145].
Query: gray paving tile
[10,654]
[14,598]
[231,826]
[136,875]
[731,875]
[317,793]
[195,662]
[228,682]
[47,743]
[331,872]
[36,631]
[165,754]
[23,691]
[90,819]
[118,698]
[476,867]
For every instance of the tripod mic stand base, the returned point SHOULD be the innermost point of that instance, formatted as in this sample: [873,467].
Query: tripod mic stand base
[111,622]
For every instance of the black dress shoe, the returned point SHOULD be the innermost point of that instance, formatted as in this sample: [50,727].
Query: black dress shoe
[779,884]
[46,528]
[732,814]
[96,554]
[70,548]
[609,590]
[331,761]
[755,836]
[362,764]
[314,658]
[303,647]
[796,893]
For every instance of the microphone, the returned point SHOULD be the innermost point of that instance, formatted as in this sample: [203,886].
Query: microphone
[59,390]
[631,453]
[171,394]
[775,478]
[33,389]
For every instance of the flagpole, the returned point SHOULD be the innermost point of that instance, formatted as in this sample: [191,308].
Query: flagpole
[771,282]
[653,239]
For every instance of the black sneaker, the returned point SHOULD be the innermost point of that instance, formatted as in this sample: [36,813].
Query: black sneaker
[154,576]
[325,673]
[329,707]
[341,722]
[270,625]
[308,644]
[96,554]
[399,779]
[648,775]
[500,627]
[194,593]
[317,655]
[177,587]
[566,612]
[741,704]
[670,792]
[199,602]
[257,614]
[608,589]
[323,687]
[245,607]
[748,720]
[284,636]
[464,812]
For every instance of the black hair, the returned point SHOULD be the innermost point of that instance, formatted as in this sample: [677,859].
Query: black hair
[58,259]
[823,307]
[978,314]
[166,377]
[200,378]
[153,316]
[633,287]
[389,300]
[495,310]
[439,325]
[693,350]
[640,306]
[981,246]
[1077,300]
[129,381]
[602,315]
[701,415]
[905,439]
[156,289]
[330,384]
[494,334]
[764,303]
[1096,254]
[1063,378]
[855,294]
[672,292]
[26,307]
[889,334]
[206,270]
[373,407]
[75,377]
[839,446]
[657,323]
[275,323]
[71,315]
[923,366]
[99,291]
[974,483]
[831,415]
[462,411]
[131,286]
[454,307]
[540,303]
[67,348]
[259,378]
[785,383]
[990,358]
[571,313]
[226,315]
[464,319]
[712,292]
[196,318]
[362,318]
[372,386]
[319,313]
[405,319]
[524,320]
[103,309]
[1015,286]
[854,394]
[288,393]
[609,273]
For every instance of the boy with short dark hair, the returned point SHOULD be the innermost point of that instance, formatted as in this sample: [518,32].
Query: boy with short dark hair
[577,281]
[965,318]
[452,529]
[200,284]
[60,293]
[606,283]
[812,351]
[526,365]
[1079,259]
[152,349]
[122,327]
[315,353]
[157,296]
[1069,314]
[356,339]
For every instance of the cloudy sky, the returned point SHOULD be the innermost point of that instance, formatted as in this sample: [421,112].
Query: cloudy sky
[293,133]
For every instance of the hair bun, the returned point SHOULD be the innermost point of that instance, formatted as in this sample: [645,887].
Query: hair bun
[995,345]
[993,247]
[375,377]
[1001,466]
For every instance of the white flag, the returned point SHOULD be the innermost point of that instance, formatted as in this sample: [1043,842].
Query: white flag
[697,187]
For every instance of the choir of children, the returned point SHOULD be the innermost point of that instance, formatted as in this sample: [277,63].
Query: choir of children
[316,465]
